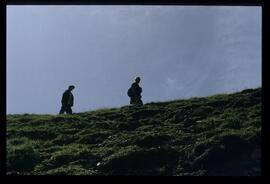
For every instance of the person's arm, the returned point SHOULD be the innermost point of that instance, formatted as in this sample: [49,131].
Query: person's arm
[133,90]
[65,98]
[72,99]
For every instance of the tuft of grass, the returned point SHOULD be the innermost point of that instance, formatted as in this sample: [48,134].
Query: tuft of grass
[21,155]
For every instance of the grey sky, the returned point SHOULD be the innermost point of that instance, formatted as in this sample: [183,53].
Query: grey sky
[179,52]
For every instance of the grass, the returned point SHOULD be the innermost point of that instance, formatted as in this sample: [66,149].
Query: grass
[215,135]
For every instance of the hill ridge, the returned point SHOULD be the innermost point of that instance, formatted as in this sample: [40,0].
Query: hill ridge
[214,135]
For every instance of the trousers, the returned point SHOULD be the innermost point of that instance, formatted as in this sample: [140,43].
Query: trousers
[65,108]
[135,101]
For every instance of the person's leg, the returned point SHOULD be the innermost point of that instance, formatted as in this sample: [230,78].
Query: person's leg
[131,101]
[62,110]
[69,110]
[140,102]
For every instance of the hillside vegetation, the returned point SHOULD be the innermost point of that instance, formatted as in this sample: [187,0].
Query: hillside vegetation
[216,135]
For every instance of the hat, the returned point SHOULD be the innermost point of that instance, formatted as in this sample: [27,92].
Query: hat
[137,78]
[71,87]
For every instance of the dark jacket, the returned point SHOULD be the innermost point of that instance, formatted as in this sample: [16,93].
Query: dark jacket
[137,90]
[67,98]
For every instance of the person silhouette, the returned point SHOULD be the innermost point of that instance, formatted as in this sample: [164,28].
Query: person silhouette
[67,101]
[134,92]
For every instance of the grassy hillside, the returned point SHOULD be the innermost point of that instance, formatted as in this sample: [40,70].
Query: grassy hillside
[216,135]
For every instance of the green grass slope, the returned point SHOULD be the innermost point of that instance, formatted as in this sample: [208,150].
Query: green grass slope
[216,135]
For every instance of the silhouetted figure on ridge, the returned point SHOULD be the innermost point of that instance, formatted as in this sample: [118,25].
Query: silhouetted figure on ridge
[67,101]
[134,92]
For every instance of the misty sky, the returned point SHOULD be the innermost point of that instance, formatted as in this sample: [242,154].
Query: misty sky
[179,52]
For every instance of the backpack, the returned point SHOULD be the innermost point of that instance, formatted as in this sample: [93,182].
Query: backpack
[130,92]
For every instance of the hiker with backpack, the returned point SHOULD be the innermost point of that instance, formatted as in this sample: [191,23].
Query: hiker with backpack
[134,92]
[67,101]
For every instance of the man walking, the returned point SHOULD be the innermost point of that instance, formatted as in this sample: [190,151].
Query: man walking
[67,101]
[134,92]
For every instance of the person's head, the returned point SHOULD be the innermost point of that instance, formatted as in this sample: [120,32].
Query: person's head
[137,79]
[71,87]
